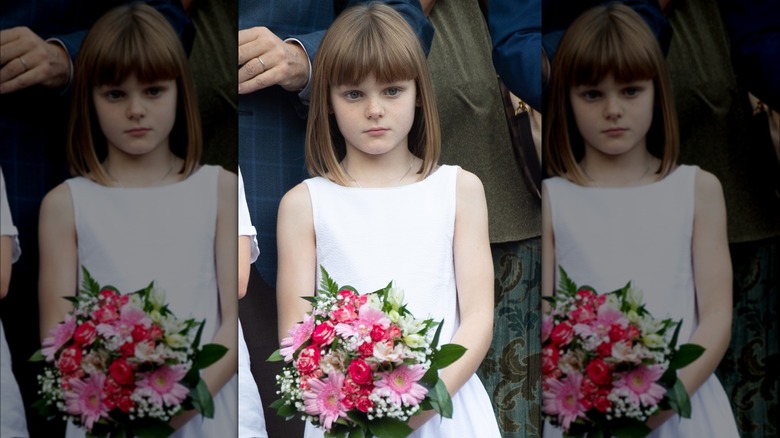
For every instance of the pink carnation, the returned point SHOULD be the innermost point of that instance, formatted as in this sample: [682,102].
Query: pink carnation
[641,385]
[58,337]
[299,333]
[324,398]
[86,399]
[564,399]
[400,385]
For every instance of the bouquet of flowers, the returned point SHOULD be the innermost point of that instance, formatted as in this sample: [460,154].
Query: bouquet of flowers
[123,365]
[362,365]
[608,364]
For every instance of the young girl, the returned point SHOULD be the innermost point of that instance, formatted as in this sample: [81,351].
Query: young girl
[380,208]
[619,208]
[141,208]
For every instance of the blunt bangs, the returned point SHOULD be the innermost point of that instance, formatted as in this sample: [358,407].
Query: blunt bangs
[616,49]
[380,51]
[134,46]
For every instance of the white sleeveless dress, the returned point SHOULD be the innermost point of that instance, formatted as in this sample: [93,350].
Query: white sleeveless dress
[367,237]
[128,237]
[605,237]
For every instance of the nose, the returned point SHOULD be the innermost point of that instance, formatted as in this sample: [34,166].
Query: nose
[135,108]
[613,109]
[374,108]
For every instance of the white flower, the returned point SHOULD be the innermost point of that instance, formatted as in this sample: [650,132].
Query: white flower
[395,297]
[157,298]
[634,297]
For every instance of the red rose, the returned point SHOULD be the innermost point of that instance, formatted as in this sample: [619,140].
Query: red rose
[108,295]
[601,402]
[360,372]
[127,349]
[562,334]
[378,333]
[583,313]
[323,334]
[599,372]
[124,402]
[550,358]
[140,333]
[121,372]
[363,404]
[308,359]
[586,295]
[85,334]
[366,349]
[344,313]
[347,295]
[70,360]
[604,349]
[105,313]
[616,333]
[348,401]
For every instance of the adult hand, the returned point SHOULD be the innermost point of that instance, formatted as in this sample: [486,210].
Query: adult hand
[27,60]
[265,60]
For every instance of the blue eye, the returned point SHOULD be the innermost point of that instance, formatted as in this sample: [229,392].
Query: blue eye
[394,91]
[352,95]
[631,91]
[591,94]
[114,94]
[154,91]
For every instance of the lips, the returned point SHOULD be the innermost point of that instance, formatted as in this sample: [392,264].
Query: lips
[614,131]
[376,131]
[137,132]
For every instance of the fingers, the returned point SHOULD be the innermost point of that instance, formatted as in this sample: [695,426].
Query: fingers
[28,60]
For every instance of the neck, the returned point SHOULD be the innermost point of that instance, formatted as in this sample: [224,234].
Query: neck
[619,171]
[144,171]
[377,172]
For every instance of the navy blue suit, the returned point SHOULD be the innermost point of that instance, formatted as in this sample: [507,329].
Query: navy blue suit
[33,125]
[516,32]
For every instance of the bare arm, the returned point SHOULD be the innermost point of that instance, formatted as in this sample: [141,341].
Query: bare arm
[296,276]
[548,250]
[5,264]
[713,280]
[243,264]
[474,279]
[58,274]
[226,253]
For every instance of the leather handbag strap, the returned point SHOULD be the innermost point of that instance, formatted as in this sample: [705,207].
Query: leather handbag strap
[525,152]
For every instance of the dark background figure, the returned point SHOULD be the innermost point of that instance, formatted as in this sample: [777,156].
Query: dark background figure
[33,119]
[272,126]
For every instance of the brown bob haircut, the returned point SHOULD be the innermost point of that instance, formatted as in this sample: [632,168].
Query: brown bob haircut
[366,40]
[606,40]
[130,40]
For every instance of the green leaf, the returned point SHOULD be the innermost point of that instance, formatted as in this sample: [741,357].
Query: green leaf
[153,430]
[678,399]
[440,399]
[389,428]
[121,433]
[448,354]
[201,399]
[37,357]
[565,284]
[336,434]
[208,354]
[327,285]
[88,284]
[285,410]
[276,356]
[634,429]
[686,354]
[357,433]
[435,341]
[196,341]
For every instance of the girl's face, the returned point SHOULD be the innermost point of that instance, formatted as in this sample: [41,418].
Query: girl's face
[375,118]
[613,118]
[136,118]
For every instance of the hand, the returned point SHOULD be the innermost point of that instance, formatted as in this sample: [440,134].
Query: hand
[27,60]
[655,421]
[182,419]
[417,421]
[284,64]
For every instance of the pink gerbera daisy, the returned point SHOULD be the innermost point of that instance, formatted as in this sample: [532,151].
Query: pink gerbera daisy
[162,385]
[641,385]
[400,385]
[86,398]
[324,398]
[563,398]
[299,333]
[59,335]
[367,317]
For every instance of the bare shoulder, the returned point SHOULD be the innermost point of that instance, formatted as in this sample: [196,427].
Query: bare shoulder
[227,182]
[707,187]
[296,201]
[469,185]
[57,202]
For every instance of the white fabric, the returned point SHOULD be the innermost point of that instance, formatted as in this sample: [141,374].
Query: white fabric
[7,227]
[367,237]
[251,419]
[13,422]
[245,227]
[605,237]
[128,237]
